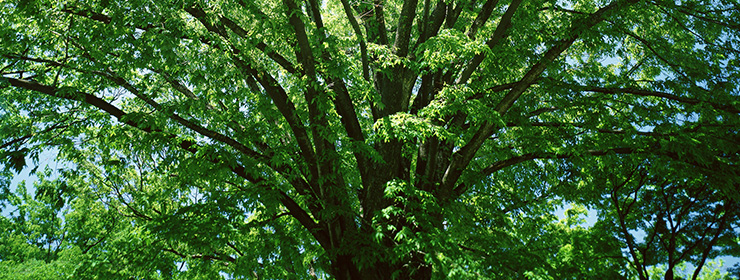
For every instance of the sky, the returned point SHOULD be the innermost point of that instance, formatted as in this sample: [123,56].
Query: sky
[47,158]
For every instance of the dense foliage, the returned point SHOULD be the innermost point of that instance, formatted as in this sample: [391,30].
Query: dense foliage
[370,139]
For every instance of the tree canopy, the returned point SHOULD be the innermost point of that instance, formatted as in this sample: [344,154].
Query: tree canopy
[379,139]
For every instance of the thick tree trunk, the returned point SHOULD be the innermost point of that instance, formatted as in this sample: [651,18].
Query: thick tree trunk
[395,92]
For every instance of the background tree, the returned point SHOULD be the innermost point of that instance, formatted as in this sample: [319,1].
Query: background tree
[33,242]
[666,215]
[377,139]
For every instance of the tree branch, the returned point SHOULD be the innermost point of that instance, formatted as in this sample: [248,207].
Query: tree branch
[87,14]
[482,18]
[360,39]
[642,92]
[287,109]
[278,95]
[216,256]
[498,35]
[462,158]
[279,59]
[530,156]
[403,31]
[295,210]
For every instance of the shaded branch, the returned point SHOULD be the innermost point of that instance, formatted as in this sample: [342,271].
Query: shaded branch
[278,95]
[360,39]
[87,13]
[287,109]
[306,57]
[530,156]
[88,247]
[481,18]
[321,234]
[403,31]
[649,46]
[698,15]
[498,35]
[375,22]
[435,22]
[462,158]
[642,92]
[629,239]
[492,89]
[295,210]
[16,140]
[727,207]
[216,256]
[279,59]
[286,171]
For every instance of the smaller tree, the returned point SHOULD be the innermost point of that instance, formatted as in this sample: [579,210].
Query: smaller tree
[668,215]
[33,242]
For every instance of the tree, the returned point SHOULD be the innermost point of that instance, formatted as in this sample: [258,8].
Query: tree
[31,245]
[679,219]
[376,139]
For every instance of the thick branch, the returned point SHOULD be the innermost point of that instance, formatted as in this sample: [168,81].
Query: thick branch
[534,73]
[317,118]
[316,15]
[206,257]
[286,171]
[16,140]
[377,32]
[360,39]
[287,109]
[277,93]
[403,33]
[305,55]
[87,13]
[462,158]
[299,214]
[279,59]
[435,21]
[119,114]
[498,35]
[482,18]
[342,100]
[530,156]
[642,92]
[191,125]
[295,210]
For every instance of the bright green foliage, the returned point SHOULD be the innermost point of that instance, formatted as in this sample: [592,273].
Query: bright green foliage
[381,139]
[710,271]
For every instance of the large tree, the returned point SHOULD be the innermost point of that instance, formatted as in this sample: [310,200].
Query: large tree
[372,139]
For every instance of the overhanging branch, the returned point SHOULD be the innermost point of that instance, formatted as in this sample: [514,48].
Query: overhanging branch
[462,158]
[360,39]
[295,210]
[498,35]
[531,156]
[643,92]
